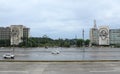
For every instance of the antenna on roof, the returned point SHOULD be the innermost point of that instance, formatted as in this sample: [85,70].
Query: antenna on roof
[95,26]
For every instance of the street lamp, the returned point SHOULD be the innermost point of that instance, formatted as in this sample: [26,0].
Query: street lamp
[83,44]
[83,39]
[14,34]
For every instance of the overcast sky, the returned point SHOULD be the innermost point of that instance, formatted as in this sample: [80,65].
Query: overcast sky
[60,18]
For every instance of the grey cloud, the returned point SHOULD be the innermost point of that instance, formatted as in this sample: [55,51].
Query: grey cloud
[62,18]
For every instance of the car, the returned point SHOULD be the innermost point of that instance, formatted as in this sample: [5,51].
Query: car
[55,52]
[8,56]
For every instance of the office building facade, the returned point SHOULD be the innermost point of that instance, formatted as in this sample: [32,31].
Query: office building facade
[114,36]
[94,38]
[104,36]
[4,33]
[14,33]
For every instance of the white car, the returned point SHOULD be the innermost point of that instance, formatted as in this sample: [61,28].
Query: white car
[55,52]
[8,56]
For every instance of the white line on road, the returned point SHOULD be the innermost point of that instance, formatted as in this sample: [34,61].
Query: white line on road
[103,71]
[27,54]
[15,71]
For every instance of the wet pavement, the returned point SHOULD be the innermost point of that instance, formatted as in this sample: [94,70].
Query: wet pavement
[65,53]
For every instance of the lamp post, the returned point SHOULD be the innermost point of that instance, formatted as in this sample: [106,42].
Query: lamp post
[14,34]
[83,39]
[13,43]
[83,44]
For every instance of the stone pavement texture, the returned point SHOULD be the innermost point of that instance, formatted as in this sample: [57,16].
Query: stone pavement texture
[59,67]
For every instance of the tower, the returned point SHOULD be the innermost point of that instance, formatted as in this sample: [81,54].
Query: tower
[94,38]
[95,26]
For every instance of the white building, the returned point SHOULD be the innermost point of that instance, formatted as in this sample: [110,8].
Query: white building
[104,35]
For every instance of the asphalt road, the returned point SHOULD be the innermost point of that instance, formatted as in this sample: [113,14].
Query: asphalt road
[65,53]
[59,67]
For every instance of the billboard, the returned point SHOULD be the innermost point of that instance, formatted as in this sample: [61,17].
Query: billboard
[104,35]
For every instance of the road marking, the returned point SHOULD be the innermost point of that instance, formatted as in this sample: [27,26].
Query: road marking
[22,54]
[27,55]
[16,71]
[103,71]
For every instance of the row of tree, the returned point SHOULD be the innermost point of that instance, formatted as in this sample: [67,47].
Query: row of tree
[48,42]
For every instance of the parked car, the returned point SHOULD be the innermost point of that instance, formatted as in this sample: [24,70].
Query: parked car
[55,52]
[8,56]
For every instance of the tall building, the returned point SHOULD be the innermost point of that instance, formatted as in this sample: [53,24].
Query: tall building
[104,36]
[14,33]
[94,35]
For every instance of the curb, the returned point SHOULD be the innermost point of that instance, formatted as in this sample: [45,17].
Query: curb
[59,60]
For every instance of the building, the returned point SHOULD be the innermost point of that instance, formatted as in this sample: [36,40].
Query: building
[115,36]
[94,35]
[104,36]
[4,33]
[14,33]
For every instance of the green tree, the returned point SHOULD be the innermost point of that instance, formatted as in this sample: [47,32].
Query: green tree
[80,42]
[87,42]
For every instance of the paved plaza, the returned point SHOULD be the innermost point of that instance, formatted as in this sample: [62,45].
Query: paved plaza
[85,66]
[59,67]
[66,54]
